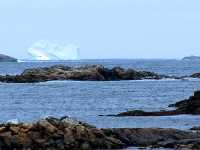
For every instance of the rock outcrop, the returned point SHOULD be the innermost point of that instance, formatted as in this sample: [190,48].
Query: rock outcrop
[156,137]
[55,134]
[66,134]
[144,113]
[5,58]
[188,106]
[88,72]
[195,75]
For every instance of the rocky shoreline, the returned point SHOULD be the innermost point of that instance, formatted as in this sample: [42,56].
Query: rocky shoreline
[67,134]
[189,106]
[84,73]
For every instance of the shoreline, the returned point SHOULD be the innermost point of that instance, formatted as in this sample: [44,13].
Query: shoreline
[49,133]
[65,133]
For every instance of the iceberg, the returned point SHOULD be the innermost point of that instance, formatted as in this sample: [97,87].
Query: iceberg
[45,50]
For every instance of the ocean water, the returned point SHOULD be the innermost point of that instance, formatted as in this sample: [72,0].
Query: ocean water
[85,100]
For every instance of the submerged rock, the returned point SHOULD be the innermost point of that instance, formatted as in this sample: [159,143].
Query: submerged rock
[64,134]
[88,72]
[143,113]
[188,106]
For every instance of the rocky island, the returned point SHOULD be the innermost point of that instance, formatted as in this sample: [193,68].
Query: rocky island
[84,73]
[5,58]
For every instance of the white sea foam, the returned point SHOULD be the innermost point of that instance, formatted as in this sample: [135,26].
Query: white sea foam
[13,121]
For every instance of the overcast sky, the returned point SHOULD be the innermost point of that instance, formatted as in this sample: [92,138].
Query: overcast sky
[103,28]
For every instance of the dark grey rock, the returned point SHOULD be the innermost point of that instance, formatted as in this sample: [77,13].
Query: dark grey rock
[64,134]
[197,128]
[84,73]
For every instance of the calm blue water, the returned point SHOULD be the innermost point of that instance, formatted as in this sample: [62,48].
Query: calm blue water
[87,99]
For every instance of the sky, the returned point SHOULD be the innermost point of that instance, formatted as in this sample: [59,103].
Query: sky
[103,28]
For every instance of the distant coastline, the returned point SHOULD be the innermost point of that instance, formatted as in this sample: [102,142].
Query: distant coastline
[191,58]
[6,58]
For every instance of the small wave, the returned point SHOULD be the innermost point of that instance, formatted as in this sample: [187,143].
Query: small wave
[60,81]
[13,121]
[166,79]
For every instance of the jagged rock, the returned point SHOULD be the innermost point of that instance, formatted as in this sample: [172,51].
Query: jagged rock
[189,106]
[88,72]
[53,134]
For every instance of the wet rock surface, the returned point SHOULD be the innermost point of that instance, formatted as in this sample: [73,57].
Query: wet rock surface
[67,134]
[88,72]
[188,106]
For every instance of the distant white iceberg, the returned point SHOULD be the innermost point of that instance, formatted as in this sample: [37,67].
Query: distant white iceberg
[45,50]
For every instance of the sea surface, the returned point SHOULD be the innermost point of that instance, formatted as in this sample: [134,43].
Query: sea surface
[85,100]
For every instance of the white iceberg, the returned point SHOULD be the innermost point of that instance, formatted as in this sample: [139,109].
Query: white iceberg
[45,50]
